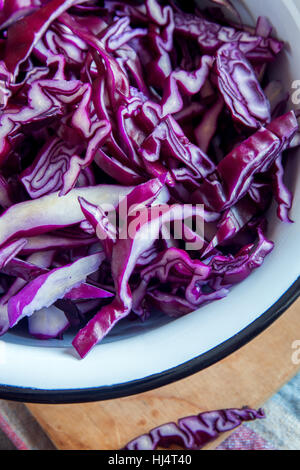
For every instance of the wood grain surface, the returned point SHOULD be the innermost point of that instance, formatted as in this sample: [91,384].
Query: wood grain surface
[248,377]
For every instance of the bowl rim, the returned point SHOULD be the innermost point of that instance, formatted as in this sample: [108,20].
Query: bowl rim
[151,382]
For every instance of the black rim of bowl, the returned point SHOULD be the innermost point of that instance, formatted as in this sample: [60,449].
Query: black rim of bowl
[83,395]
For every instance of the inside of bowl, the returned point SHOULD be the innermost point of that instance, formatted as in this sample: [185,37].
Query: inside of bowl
[284,69]
[134,349]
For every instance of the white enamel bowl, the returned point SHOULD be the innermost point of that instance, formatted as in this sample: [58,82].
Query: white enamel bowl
[136,357]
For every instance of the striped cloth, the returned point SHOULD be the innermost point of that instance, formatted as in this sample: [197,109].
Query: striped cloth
[281,428]
[19,430]
[279,431]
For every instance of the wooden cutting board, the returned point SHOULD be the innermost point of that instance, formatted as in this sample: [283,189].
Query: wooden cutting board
[248,377]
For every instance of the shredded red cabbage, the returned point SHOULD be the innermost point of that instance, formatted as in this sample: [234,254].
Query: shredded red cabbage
[194,432]
[140,115]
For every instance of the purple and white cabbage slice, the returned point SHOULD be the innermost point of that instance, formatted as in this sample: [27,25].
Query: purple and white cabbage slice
[45,174]
[4,321]
[240,87]
[29,271]
[87,291]
[188,82]
[10,250]
[282,194]
[52,241]
[194,432]
[101,224]
[47,288]
[119,33]
[41,259]
[47,323]
[51,211]
[77,164]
